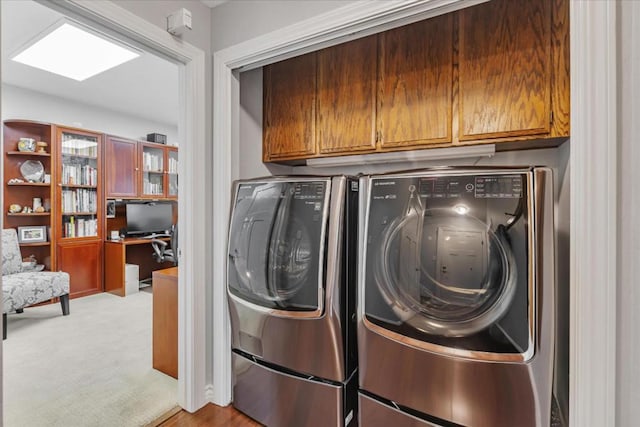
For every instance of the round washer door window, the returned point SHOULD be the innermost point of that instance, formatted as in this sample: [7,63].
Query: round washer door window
[443,271]
[275,245]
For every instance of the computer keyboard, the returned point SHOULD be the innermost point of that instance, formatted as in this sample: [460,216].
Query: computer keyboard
[156,235]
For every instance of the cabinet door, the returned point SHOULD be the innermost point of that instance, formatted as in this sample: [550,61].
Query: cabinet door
[289,108]
[505,69]
[172,172]
[152,170]
[121,167]
[415,83]
[346,97]
[79,189]
[83,262]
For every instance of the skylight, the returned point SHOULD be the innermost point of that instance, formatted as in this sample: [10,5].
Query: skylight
[73,52]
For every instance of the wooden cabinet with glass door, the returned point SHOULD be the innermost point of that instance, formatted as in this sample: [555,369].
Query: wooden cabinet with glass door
[78,225]
[27,187]
[158,171]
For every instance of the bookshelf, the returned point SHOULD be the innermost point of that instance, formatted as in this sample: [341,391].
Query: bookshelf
[78,215]
[18,191]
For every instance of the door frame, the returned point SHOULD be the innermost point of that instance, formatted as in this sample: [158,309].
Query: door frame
[193,166]
[593,175]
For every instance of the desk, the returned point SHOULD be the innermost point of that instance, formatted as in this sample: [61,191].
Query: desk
[131,250]
[165,321]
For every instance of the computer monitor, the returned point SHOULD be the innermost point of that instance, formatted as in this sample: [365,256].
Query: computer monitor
[149,218]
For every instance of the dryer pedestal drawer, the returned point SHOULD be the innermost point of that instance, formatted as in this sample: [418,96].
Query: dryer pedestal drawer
[278,399]
[376,414]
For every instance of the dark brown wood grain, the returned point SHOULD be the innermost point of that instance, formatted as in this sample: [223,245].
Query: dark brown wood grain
[494,72]
[82,259]
[211,416]
[415,83]
[289,108]
[346,97]
[23,195]
[165,321]
[560,94]
[121,167]
[505,69]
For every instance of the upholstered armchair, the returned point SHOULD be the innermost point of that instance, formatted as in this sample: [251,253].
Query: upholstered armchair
[21,289]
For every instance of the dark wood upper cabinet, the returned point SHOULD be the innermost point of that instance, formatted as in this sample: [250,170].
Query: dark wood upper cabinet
[346,97]
[289,108]
[121,167]
[505,69]
[497,72]
[415,78]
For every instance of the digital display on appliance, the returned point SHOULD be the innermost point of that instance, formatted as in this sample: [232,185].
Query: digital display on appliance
[498,186]
[148,218]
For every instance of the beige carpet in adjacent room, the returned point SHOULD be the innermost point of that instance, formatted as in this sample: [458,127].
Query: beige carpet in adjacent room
[91,368]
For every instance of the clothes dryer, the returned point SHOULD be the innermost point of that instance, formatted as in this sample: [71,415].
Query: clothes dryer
[291,291]
[456,320]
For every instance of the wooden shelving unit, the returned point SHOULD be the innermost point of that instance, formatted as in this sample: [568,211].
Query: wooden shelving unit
[78,203]
[23,193]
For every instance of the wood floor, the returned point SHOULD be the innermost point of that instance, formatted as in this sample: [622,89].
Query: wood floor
[210,416]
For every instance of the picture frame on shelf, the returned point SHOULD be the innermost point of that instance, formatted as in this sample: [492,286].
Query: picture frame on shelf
[32,234]
[111,209]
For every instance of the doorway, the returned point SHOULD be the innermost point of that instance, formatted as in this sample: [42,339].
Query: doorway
[191,131]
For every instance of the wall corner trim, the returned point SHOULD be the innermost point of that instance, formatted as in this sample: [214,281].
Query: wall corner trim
[594,209]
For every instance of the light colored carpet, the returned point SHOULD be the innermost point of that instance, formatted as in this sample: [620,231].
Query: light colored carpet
[91,368]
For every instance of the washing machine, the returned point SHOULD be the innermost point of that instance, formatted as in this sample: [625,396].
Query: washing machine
[291,282]
[457,298]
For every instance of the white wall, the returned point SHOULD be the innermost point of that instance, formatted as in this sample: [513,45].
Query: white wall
[628,316]
[237,21]
[20,103]
[156,12]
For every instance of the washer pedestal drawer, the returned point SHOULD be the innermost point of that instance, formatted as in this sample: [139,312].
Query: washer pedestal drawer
[275,398]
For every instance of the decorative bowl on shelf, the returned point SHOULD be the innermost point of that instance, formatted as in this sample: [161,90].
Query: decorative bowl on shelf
[32,171]
[15,208]
[42,147]
[27,144]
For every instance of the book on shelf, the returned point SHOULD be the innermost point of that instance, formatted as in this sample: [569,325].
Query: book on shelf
[79,200]
[80,227]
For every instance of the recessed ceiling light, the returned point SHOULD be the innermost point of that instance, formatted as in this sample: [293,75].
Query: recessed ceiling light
[71,51]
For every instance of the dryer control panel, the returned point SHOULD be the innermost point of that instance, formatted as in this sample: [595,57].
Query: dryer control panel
[452,187]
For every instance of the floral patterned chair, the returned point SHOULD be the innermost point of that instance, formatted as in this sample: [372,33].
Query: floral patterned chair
[22,289]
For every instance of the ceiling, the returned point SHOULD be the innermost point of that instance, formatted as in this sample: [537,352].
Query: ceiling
[213,3]
[145,87]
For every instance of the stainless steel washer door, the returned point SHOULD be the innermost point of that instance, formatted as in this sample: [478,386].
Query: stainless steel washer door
[276,245]
[446,260]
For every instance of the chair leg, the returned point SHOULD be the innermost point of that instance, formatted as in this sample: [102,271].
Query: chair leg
[4,326]
[20,310]
[64,303]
